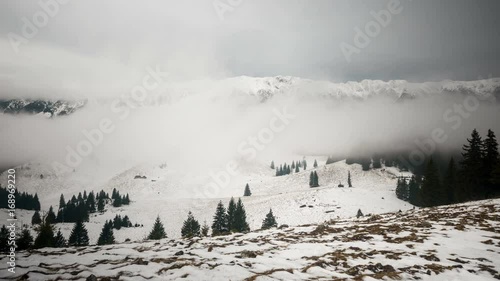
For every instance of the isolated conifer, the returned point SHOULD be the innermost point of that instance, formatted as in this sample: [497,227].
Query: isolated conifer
[205,229]
[59,240]
[315,165]
[191,227]
[158,231]
[51,216]
[117,222]
[359,214]
[36,219]
[107,236]
[79,235]
[349,182]
[272,165]
[45,237]
[315,179]
[220,222]
[247,191]
[25,240]
[240,218]
[311,179]
[304,164]
[472,166]
[269,221]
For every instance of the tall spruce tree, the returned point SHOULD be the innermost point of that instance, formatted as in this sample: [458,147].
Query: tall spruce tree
[36,219]
[272,165]
[158,231]
[297,169]
[59,240]
[304,164]
[51,216]
[349,182]
[79,235]
[402,191]
[247,191]
[62,202]
[107,236]
[316,179]
[293,165]
[472,167]
[205,229]
[315,165]
[240,218]
[269,221]
[432,193]
[25,240]
[220,222]
[231,209]
[101,204]
[190,227]
[490,161]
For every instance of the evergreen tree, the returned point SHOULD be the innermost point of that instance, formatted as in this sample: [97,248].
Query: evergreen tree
[269,221]
[402,191]
[62,202]
[297,169]
[304,164]
[272,165]
[106,237]
[25,240]
[247,191]
[191,227]
[240,218]
[126,200]
[231,209]
[51,216]
[359,214]
[91,205]
[349,182]
[316,179]
[79,235]
[293,165]
[471,167]
[117,222]
[450,182]
[311,179]
[432,193]
[114,194]
[59,240]
[36,219]
[4,240]
[85,195]
[80,197]
[220,223]
[490,161]
[158,231]
[117,202]
[315,165]
[205,229]
[45,237]
[100,204]
[299,163]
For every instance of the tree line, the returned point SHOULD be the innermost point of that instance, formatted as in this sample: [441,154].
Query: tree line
[24,200]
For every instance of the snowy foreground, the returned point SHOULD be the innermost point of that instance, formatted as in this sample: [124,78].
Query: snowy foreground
[458,242]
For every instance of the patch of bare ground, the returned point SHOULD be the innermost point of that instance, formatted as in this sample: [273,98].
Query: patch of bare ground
[268,273]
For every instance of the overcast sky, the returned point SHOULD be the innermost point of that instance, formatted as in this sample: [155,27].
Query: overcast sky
[105,43]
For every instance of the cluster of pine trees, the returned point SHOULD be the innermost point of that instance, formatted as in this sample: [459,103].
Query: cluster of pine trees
[477,176]
[286,169]
[119,222]
[313,179]
[24,200]
[119,200]
[232,220]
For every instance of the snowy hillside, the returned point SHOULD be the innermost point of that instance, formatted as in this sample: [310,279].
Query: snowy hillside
[457,242]
[44,107]
[171,194]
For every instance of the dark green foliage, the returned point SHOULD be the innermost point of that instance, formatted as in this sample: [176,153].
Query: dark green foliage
[450,182]
[402,190]
[79,235]
[231,210]
[101,204]
[51,216]
[24,200]
[220,222]
[59,240]
[304,164]
[25,240]
[247,191]
[269,221]
[359,214]
[240,218]
[432,192]
[205,229]
[191,227]
[106,237]
[45,237]
[293,165]
[377,162]
[414,192]
[349,182]
[36,219]
[90,203]
[490,162]
[272,165]
[62,202]
[472,167]
[315,165]
[313,179]
[158,231]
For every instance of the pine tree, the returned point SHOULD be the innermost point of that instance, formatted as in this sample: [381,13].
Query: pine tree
[25,240]
[278,172]
[240,218]
[272,165]
[158,231]
[79,235]
[59,240]
[293,165]
[297,169]
[191,227]
[45,237]
[269,221]
[359,214]
[315,165]
[316,179]
[304,164]
[490,161]
[100,204]
[36,219]
[231,209]
[51,216]
[402,191]
[247,191]
[349,182]
[432,193]
[4,239]
[117,222]
[106,237]
[471,167]
[220,223]
[114,194]
[36,203]
[62,202]
[205,229]
[90,203]
[450,182]
[85,195]
[311,179]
